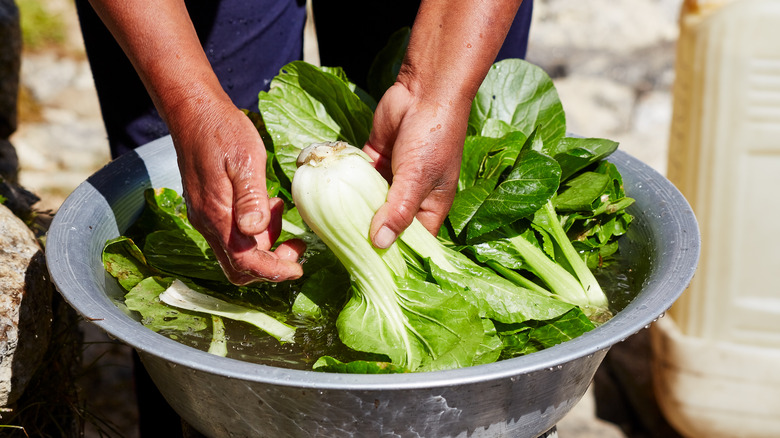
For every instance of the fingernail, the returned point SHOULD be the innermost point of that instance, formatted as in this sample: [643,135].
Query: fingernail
[384,238]
[249,221]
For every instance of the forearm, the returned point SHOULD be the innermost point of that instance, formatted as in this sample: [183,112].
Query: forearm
[453,44]
[160,41]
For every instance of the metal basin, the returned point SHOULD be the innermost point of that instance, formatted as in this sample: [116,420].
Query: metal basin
[521,397]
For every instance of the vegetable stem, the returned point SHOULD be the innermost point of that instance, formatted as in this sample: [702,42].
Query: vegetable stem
[595,299]
[182,296]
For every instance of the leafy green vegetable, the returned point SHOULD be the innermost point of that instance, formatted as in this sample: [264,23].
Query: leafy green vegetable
[218,345]
[184,297]
[517,96]
[533,336]
[496,297]
[307,105]
[125,262]
[502,198]
[510,273]
[387,63]
[415,323]
[333,365]
[144,298]
[183,252]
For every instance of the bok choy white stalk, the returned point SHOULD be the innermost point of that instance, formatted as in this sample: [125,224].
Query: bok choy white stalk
[414,323]
[182,296]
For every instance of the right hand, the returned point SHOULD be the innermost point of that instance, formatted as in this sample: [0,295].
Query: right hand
[222,163]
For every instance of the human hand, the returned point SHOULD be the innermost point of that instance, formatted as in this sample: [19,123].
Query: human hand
[416,144]
[222,162]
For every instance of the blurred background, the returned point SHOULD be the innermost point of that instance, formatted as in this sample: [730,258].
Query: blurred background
[612,63]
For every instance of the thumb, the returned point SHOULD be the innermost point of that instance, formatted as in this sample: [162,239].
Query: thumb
[397,213]
[250,204]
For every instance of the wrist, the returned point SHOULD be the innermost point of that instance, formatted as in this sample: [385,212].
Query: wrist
[194,107]
[452,45]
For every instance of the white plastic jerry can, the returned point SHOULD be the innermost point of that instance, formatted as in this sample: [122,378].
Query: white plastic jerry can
[716,356]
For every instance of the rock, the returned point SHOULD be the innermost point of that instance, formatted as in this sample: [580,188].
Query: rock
[25,306]
[18,199]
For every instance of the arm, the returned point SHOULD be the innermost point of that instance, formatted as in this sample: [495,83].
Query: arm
[420,123]
[220,154]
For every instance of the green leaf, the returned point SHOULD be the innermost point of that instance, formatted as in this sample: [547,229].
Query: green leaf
[532,336]
[491,347]
[273,184]
[575,154]
[451,327]
[529,185]
[156,315]
[169,209]
[307,105]
[475,149]
[387,63]
[467,202]
[329,364]
[496,128]
[522,96]
[183,253]
[435,322]
[582,192]
[293,227]
[498,247]
[362,94]
[487,158]
[323,292]
[125,262]
[599,223]
[499,299]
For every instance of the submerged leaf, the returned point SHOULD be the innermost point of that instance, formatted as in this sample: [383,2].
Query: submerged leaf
[125,262]
[533,336]
[156,315]
[332,365]
[181,296]
[184,253]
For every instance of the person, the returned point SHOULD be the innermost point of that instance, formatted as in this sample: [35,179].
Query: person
[186,67]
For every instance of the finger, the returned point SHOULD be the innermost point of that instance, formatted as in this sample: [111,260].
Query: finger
[228,255]
[249,257]
[256,264]
[250,197]
[267,237]
[291,250]
[382,163]
[394,216]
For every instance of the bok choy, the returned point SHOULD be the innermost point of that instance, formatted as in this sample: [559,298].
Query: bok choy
[510,273]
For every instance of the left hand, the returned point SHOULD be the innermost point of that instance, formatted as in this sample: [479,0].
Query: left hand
[416,144]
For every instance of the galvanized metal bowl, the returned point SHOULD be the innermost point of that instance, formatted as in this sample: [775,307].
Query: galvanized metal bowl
[521,397]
